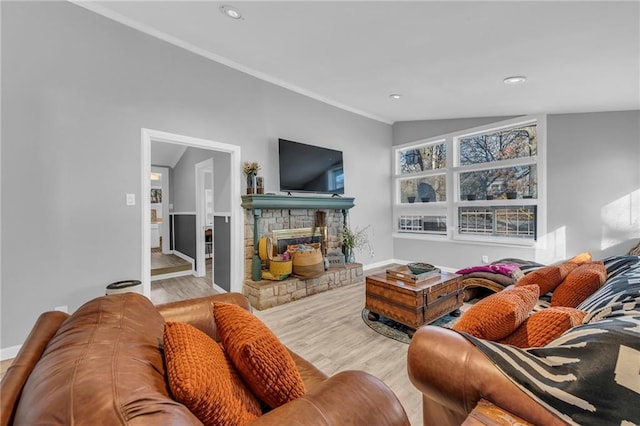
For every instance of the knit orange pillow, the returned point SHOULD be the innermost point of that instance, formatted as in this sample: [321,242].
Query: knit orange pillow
[544,326]
[261,359]
[203,379]
[498,315]
[547,278]
[581,283]
[581,259]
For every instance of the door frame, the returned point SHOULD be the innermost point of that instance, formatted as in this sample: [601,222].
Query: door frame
[236,230]
[202,168]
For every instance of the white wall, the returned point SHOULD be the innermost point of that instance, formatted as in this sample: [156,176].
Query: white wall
[593,185]
[76,90]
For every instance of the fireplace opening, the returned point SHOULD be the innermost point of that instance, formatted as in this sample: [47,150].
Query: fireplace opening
[283,238]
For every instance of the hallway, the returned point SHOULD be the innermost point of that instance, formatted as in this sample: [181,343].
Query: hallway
[181,288]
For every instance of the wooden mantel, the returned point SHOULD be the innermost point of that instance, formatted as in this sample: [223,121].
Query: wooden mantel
[265,201]
[258,202]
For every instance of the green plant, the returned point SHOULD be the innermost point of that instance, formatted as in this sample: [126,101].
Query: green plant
[251,169]
[355,238]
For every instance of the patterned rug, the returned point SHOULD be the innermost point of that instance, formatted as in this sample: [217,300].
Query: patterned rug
[389,328]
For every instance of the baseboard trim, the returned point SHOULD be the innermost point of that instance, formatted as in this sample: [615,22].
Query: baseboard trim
[9,353]
[219,289]
[378,264]
[172,275]
[184,256]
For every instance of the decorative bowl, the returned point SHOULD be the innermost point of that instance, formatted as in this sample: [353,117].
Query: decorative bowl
[420,267]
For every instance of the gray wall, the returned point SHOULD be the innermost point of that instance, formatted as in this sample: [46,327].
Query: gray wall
[184,229]
[184,178]
[76,90]
[221,253]
[593,181]
[222,182]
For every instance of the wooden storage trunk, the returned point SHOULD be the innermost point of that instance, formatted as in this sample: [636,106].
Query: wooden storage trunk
[413,304]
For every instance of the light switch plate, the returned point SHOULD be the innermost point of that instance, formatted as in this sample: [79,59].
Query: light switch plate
[131,199]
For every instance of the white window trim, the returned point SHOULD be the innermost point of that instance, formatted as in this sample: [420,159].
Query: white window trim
[450,207]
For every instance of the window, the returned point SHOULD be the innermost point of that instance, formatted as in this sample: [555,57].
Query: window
[517,222]
[423,224]
[480,184]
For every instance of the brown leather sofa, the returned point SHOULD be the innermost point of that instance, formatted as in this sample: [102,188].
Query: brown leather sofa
[462,384]
[453,376]
[106,367]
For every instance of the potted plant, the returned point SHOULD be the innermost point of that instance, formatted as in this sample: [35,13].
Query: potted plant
[353,239]
[250,169]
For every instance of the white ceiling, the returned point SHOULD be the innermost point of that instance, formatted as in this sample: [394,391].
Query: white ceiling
[447,58]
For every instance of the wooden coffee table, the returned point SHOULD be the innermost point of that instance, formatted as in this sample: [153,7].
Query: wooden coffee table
[413,304]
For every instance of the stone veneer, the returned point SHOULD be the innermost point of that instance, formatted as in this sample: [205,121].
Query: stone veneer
[265,293]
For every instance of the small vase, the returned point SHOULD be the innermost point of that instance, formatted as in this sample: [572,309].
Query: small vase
[251,184]
[347,255]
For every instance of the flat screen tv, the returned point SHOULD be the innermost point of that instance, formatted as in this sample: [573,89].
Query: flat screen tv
[309,168]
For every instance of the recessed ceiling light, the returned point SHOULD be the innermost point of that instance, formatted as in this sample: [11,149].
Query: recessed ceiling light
[231,12]
[395,96]
[516,79]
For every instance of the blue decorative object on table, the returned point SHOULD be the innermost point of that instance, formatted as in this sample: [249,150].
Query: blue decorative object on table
[420,267]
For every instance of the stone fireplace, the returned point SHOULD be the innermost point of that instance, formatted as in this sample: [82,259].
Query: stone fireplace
[293,220]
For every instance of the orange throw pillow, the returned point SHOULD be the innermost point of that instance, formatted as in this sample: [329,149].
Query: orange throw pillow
[581,259]
[544,326]
[581,283]
[262,360]
[550,277]
[203,379]
[547,278]
[498,315]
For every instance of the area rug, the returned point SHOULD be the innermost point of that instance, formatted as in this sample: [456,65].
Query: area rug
[394,330]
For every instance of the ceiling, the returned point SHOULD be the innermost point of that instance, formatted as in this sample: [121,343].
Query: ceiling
[447,59]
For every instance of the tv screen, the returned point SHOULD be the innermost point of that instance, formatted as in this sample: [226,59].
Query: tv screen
[308,168]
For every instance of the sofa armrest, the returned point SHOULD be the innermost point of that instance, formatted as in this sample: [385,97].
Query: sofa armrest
[488,414]
[199,312]
[32,349]
[454,375]
[348,398]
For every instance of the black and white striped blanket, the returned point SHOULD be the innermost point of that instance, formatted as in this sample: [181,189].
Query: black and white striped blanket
[591,374]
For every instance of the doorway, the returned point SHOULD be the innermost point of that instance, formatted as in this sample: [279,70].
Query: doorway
[204,216]
[232,189]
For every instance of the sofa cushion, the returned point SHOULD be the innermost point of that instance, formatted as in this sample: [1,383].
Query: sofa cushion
[103,366]
[544,326]
[579,284]
[499,314]
[549,277]
[202,377]
[260,358]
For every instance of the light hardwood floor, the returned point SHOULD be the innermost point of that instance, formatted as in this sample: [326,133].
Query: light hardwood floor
[167,263]
[182,288]
[327,329]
